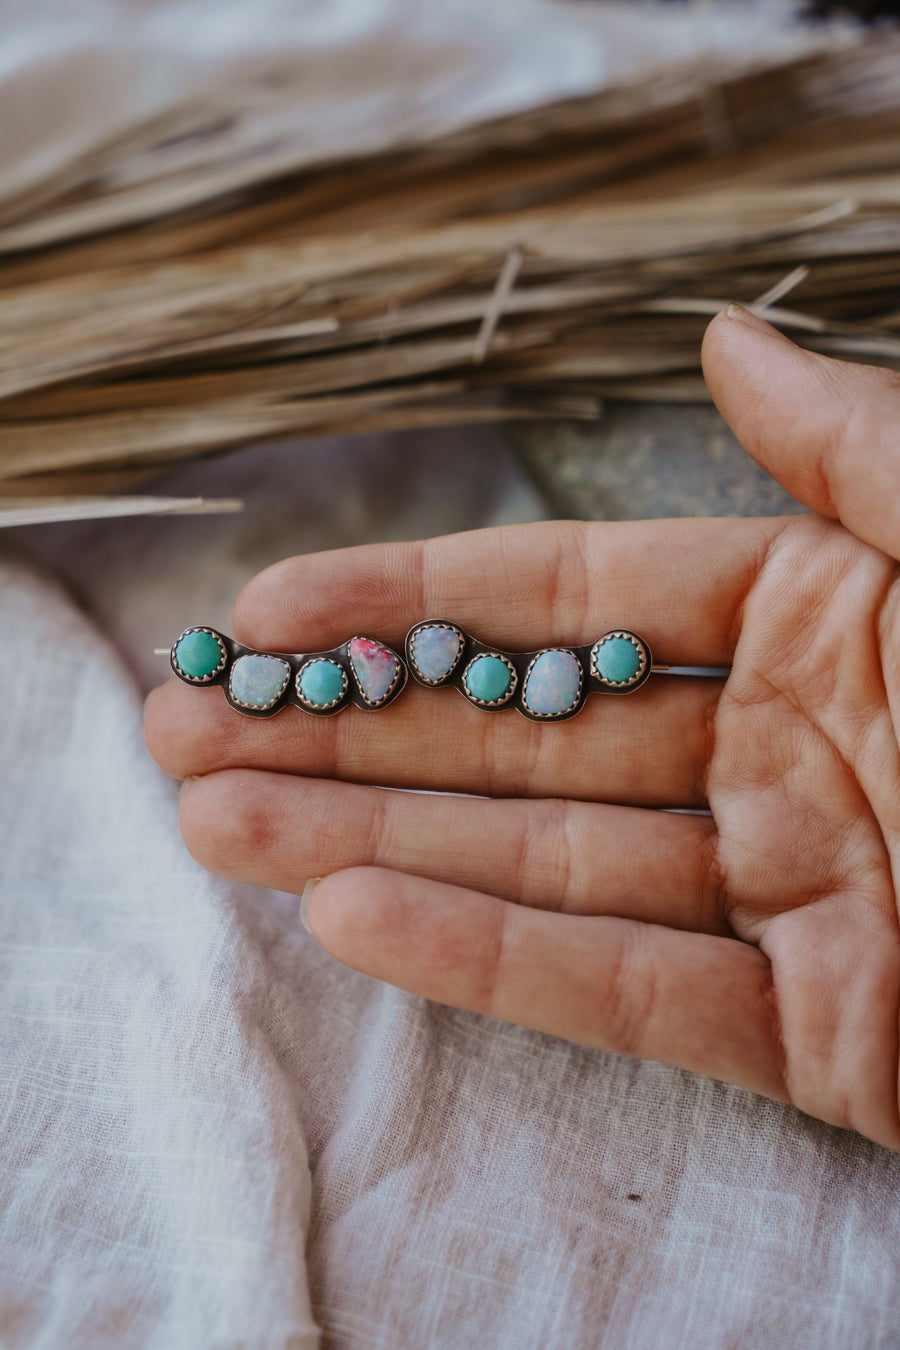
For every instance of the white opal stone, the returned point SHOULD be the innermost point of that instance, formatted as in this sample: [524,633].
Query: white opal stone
[259,681]
[435,651]
[553,684]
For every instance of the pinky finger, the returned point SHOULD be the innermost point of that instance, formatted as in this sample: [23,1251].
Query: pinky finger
[696,1001]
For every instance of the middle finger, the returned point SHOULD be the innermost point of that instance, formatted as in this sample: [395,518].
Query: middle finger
[575,857]
[646,749]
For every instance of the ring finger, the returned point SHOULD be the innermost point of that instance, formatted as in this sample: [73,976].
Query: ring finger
[277,830]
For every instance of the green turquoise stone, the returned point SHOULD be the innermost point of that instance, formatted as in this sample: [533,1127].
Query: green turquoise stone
[617,660]
[198,655]
[321,683]
[488,678]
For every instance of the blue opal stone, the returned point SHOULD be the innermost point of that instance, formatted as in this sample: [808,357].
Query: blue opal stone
[435,651]
[259,681]
[489,679]
[321,683]
[199,655]
[553,684]
[617,660]
[376,668]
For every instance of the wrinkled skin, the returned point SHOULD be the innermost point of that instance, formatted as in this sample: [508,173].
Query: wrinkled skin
[759,946]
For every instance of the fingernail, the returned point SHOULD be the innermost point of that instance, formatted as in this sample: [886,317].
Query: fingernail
[751,320]
[192,778]
[305,899]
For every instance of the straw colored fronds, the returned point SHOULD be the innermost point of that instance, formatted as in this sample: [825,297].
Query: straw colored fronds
[522,269]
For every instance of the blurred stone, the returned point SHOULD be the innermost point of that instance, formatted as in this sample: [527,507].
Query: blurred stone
[644,460]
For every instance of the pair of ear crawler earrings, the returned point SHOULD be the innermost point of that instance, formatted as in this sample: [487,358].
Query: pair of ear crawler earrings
[548,685]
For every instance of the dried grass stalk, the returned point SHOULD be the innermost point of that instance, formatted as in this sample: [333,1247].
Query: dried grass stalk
[40,510]
[525,268]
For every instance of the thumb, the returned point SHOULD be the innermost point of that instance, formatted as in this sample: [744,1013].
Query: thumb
[828,431]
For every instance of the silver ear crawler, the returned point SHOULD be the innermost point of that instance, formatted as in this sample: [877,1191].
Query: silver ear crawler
[362,671]
[549,685]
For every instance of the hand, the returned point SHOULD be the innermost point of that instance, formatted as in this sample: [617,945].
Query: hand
[760,946]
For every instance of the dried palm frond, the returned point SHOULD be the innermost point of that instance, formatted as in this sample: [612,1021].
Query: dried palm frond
[524,268]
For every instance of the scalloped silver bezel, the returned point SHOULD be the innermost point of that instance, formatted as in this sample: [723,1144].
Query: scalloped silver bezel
[259,707]
[565,712]
[199,679]
[398,669]
[411,652]
[321,707]
[641,651]
[494,702]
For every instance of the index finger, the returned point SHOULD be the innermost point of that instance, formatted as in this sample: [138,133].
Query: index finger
[680,584]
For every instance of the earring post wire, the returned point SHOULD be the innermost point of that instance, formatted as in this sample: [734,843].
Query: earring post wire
[164,651]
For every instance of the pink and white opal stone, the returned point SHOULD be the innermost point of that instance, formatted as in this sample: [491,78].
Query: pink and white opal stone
[375,668]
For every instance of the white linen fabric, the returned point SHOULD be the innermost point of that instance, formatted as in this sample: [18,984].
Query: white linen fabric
[214,1137]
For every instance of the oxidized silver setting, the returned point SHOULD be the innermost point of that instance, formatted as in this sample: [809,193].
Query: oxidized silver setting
[397,683]
[306,704]
[492,702]
[643,655]
[200,679]
[357,684]
[411,651]
[240,703]
[522,665]
[353,687]
[576,703]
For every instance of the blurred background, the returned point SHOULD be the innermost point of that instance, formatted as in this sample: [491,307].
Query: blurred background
[290,275]
[378,268]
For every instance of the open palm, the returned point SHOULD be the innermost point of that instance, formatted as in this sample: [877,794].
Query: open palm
[758,945]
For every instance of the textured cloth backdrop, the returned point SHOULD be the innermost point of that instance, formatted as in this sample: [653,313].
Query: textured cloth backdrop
[204,1116]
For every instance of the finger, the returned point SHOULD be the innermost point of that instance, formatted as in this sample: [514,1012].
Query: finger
[275,830]
[679,583]
[837,967]
[689,999]
[650,748]
[826,429]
